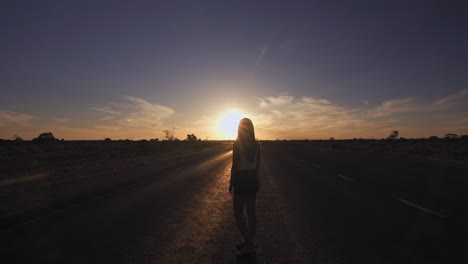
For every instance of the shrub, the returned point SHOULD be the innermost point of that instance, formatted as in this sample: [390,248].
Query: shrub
[191,137]
[46,137]
[450,135]
[394,135]
[17,138]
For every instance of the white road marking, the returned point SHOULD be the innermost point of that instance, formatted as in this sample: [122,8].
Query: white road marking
[421,208]
[344,177]
[316,166]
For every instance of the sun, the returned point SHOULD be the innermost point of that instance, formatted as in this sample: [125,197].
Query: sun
[227,124]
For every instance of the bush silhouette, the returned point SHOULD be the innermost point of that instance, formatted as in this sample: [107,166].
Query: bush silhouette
[46,137]
[191,137]
[170,134]
[17,138]
[450,135]
[394,135]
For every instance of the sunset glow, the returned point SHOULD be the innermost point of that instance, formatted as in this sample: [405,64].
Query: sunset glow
[227,124]
[199,131]
[199,69]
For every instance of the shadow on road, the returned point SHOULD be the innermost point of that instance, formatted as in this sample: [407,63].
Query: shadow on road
[246,260]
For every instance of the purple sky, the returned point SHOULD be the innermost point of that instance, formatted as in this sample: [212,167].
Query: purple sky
[298,69]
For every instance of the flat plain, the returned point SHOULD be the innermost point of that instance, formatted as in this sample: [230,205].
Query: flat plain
[167,202]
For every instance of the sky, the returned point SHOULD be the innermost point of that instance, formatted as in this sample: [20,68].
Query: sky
[298,69]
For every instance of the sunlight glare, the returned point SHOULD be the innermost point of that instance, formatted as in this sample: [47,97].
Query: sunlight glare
[228,123]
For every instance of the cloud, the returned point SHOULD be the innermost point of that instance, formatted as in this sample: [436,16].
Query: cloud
[280,116]
[285,116]
[409,105]
[457,126]
[262,54]
[454,99]
[463,121]
[395,106]
[106,110]
[62,120]
[132,113]
[269,101]
[14,118]
[106,118]
[128,118]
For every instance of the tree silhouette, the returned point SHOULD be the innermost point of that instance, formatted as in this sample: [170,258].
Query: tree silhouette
[17,138]
[450,135]
[191,137]
[170,134]
[394,135]
[46,137]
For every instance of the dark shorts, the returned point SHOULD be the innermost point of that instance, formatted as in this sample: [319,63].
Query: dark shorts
[246,182]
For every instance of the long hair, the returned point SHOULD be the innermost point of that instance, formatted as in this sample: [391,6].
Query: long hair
[246,139]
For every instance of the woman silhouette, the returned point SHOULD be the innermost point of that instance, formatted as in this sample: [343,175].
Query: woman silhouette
[244,183]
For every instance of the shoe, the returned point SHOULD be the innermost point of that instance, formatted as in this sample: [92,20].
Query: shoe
[246,253]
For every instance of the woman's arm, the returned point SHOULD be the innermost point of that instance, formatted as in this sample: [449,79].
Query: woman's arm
[234,165]
[257,159]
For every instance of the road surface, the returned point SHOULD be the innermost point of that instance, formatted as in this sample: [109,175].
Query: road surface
[313,207]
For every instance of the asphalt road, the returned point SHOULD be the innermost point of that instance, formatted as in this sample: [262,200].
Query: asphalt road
[313,207]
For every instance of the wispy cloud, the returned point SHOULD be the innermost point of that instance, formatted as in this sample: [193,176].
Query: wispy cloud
[457,126]
[62,120]
[14,118]
[395,106]
[281,116]
[269,101]
[453,99]
[410,105]
[463,121]
[262,54]
[133,113]
[286,116]
[128,118]
[106,118]
[105,109]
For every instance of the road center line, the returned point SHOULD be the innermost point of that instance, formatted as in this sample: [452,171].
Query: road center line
[316,166]
[420,208]
[344,177]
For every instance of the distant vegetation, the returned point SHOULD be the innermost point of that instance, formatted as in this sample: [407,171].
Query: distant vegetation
[191,138]
[17,138]
[394,135]
[451,147]
[170,134]
[30,157]
[451,136]
[45,137]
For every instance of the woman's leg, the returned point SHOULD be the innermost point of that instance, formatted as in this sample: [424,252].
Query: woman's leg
[238,205]
[252,220]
